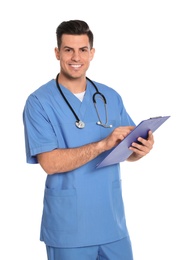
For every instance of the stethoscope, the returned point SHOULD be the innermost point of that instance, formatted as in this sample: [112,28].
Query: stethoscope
[80,124]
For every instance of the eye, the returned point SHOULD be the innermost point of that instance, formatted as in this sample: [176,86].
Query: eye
[67,50]
[83,50]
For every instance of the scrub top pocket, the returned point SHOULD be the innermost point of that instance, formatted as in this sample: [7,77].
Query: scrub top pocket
[60,210]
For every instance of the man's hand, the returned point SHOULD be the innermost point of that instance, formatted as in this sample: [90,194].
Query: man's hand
[142,148]
[117,135]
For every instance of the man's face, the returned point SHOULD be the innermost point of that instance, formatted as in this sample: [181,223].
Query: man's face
[74,55]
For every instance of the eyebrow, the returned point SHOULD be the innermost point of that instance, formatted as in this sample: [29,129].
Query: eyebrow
[84,47]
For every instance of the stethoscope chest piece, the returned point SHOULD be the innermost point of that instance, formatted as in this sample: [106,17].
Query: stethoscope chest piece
[80,124]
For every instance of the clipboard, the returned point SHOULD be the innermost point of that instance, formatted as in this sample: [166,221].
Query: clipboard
[121,152]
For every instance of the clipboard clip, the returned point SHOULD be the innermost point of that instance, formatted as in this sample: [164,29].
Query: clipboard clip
[155,117]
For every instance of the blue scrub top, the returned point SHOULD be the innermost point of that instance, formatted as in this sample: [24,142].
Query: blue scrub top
[82,207]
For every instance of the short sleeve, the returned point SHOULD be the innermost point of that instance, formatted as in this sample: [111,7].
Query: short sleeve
[38,130]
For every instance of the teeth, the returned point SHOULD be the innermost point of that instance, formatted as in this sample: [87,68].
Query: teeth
[76,66]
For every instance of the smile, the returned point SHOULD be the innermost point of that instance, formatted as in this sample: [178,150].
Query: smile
[75,66]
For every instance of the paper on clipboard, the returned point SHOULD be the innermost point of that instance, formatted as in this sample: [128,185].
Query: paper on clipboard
[121,152]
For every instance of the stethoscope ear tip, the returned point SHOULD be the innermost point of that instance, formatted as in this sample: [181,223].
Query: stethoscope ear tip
[104,125]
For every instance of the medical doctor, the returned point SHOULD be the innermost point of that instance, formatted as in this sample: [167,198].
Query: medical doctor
[70,124]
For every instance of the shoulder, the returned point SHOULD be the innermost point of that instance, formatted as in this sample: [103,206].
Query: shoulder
[109,92]
[44,91]
[105,88]
[41,95]
[45,88]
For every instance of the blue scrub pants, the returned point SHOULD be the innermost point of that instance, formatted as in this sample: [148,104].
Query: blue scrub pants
[119,250]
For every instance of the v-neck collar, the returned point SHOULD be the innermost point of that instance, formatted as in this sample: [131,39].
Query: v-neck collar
[78,106]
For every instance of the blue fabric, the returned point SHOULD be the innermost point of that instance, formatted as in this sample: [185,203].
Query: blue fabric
[82,207]
[119,250]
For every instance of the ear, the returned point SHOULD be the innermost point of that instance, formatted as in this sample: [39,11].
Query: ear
[92,52]
[57,53]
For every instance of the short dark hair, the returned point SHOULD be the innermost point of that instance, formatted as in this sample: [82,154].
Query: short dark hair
[73,27]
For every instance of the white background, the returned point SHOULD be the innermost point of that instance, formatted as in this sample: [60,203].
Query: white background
[142,52]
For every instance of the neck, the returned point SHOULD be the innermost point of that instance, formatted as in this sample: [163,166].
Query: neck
[75,85]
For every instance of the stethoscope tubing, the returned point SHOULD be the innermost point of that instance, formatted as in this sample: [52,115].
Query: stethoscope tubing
[79,123]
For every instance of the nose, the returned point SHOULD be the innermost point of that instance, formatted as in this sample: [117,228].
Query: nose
[76,56]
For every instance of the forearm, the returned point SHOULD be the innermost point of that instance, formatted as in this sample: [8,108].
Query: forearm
[64,160]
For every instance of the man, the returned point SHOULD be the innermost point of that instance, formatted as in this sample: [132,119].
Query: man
[70,125]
